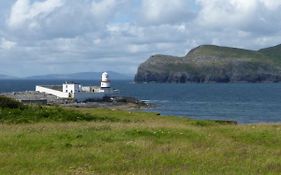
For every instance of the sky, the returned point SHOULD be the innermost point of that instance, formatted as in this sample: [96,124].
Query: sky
[66,36]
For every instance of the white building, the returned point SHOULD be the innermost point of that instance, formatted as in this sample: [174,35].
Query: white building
[105,82]
[70,87]
[78,92]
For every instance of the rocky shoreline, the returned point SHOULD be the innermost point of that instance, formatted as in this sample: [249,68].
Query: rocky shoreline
[116,102]
[122,103]
[112,103]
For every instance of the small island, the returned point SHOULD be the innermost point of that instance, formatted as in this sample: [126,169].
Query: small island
[210,63]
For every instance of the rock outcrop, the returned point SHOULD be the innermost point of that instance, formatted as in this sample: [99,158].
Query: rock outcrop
[209,63]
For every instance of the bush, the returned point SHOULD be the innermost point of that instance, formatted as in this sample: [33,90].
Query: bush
[33,114]
[6,102]
[12,111]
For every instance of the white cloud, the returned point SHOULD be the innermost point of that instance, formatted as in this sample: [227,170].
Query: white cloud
[272,4]
[136,48]
[60,18]
[221,13]
[6,44]
[163,12]
[24,12]
[51,35]
[248,15]
[102,10]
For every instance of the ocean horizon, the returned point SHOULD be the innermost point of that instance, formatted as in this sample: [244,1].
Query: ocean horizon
[241,102]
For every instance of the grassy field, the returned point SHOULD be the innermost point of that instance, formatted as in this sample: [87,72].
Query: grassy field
[103,141]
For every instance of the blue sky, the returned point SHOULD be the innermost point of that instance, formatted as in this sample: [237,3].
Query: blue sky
[66,36]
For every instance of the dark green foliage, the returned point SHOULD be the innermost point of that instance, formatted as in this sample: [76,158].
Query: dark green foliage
[203,123]
[12,111]
[212,122]
[33,114]
[6,102]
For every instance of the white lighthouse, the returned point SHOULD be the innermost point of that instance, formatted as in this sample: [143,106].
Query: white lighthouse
[105,82]
[78,92]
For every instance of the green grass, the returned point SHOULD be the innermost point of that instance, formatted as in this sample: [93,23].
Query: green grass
[121,142]
[264,56]
[274,51]
[14,112]
[228,52]
[35,114]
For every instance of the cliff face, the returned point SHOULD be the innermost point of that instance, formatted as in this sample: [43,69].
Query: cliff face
[210,63]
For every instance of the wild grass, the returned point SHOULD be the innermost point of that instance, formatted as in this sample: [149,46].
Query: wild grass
[124,142]
[13,112]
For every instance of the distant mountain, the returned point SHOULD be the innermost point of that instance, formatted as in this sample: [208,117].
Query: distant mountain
[82,76]
[210,63]
[5,77]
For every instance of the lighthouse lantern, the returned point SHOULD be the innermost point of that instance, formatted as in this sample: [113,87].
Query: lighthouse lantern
[105,82]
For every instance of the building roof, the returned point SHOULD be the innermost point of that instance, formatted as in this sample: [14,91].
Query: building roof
[70,82]
[54,87]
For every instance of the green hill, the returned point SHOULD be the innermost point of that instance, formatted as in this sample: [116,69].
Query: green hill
[273,52]
[209,63]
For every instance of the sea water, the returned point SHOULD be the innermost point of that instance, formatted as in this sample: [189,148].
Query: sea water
[242,102]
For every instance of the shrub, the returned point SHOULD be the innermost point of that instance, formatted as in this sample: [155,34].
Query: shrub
[12,111]
[6,102]
[33,114]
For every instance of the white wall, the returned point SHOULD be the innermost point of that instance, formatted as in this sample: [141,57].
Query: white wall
[70,88]
[105,84]
[79,96]
[52,91]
